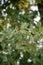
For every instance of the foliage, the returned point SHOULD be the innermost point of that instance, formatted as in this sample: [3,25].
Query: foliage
[21,38]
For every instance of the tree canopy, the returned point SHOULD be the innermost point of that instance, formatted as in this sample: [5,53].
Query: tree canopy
[21,32]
